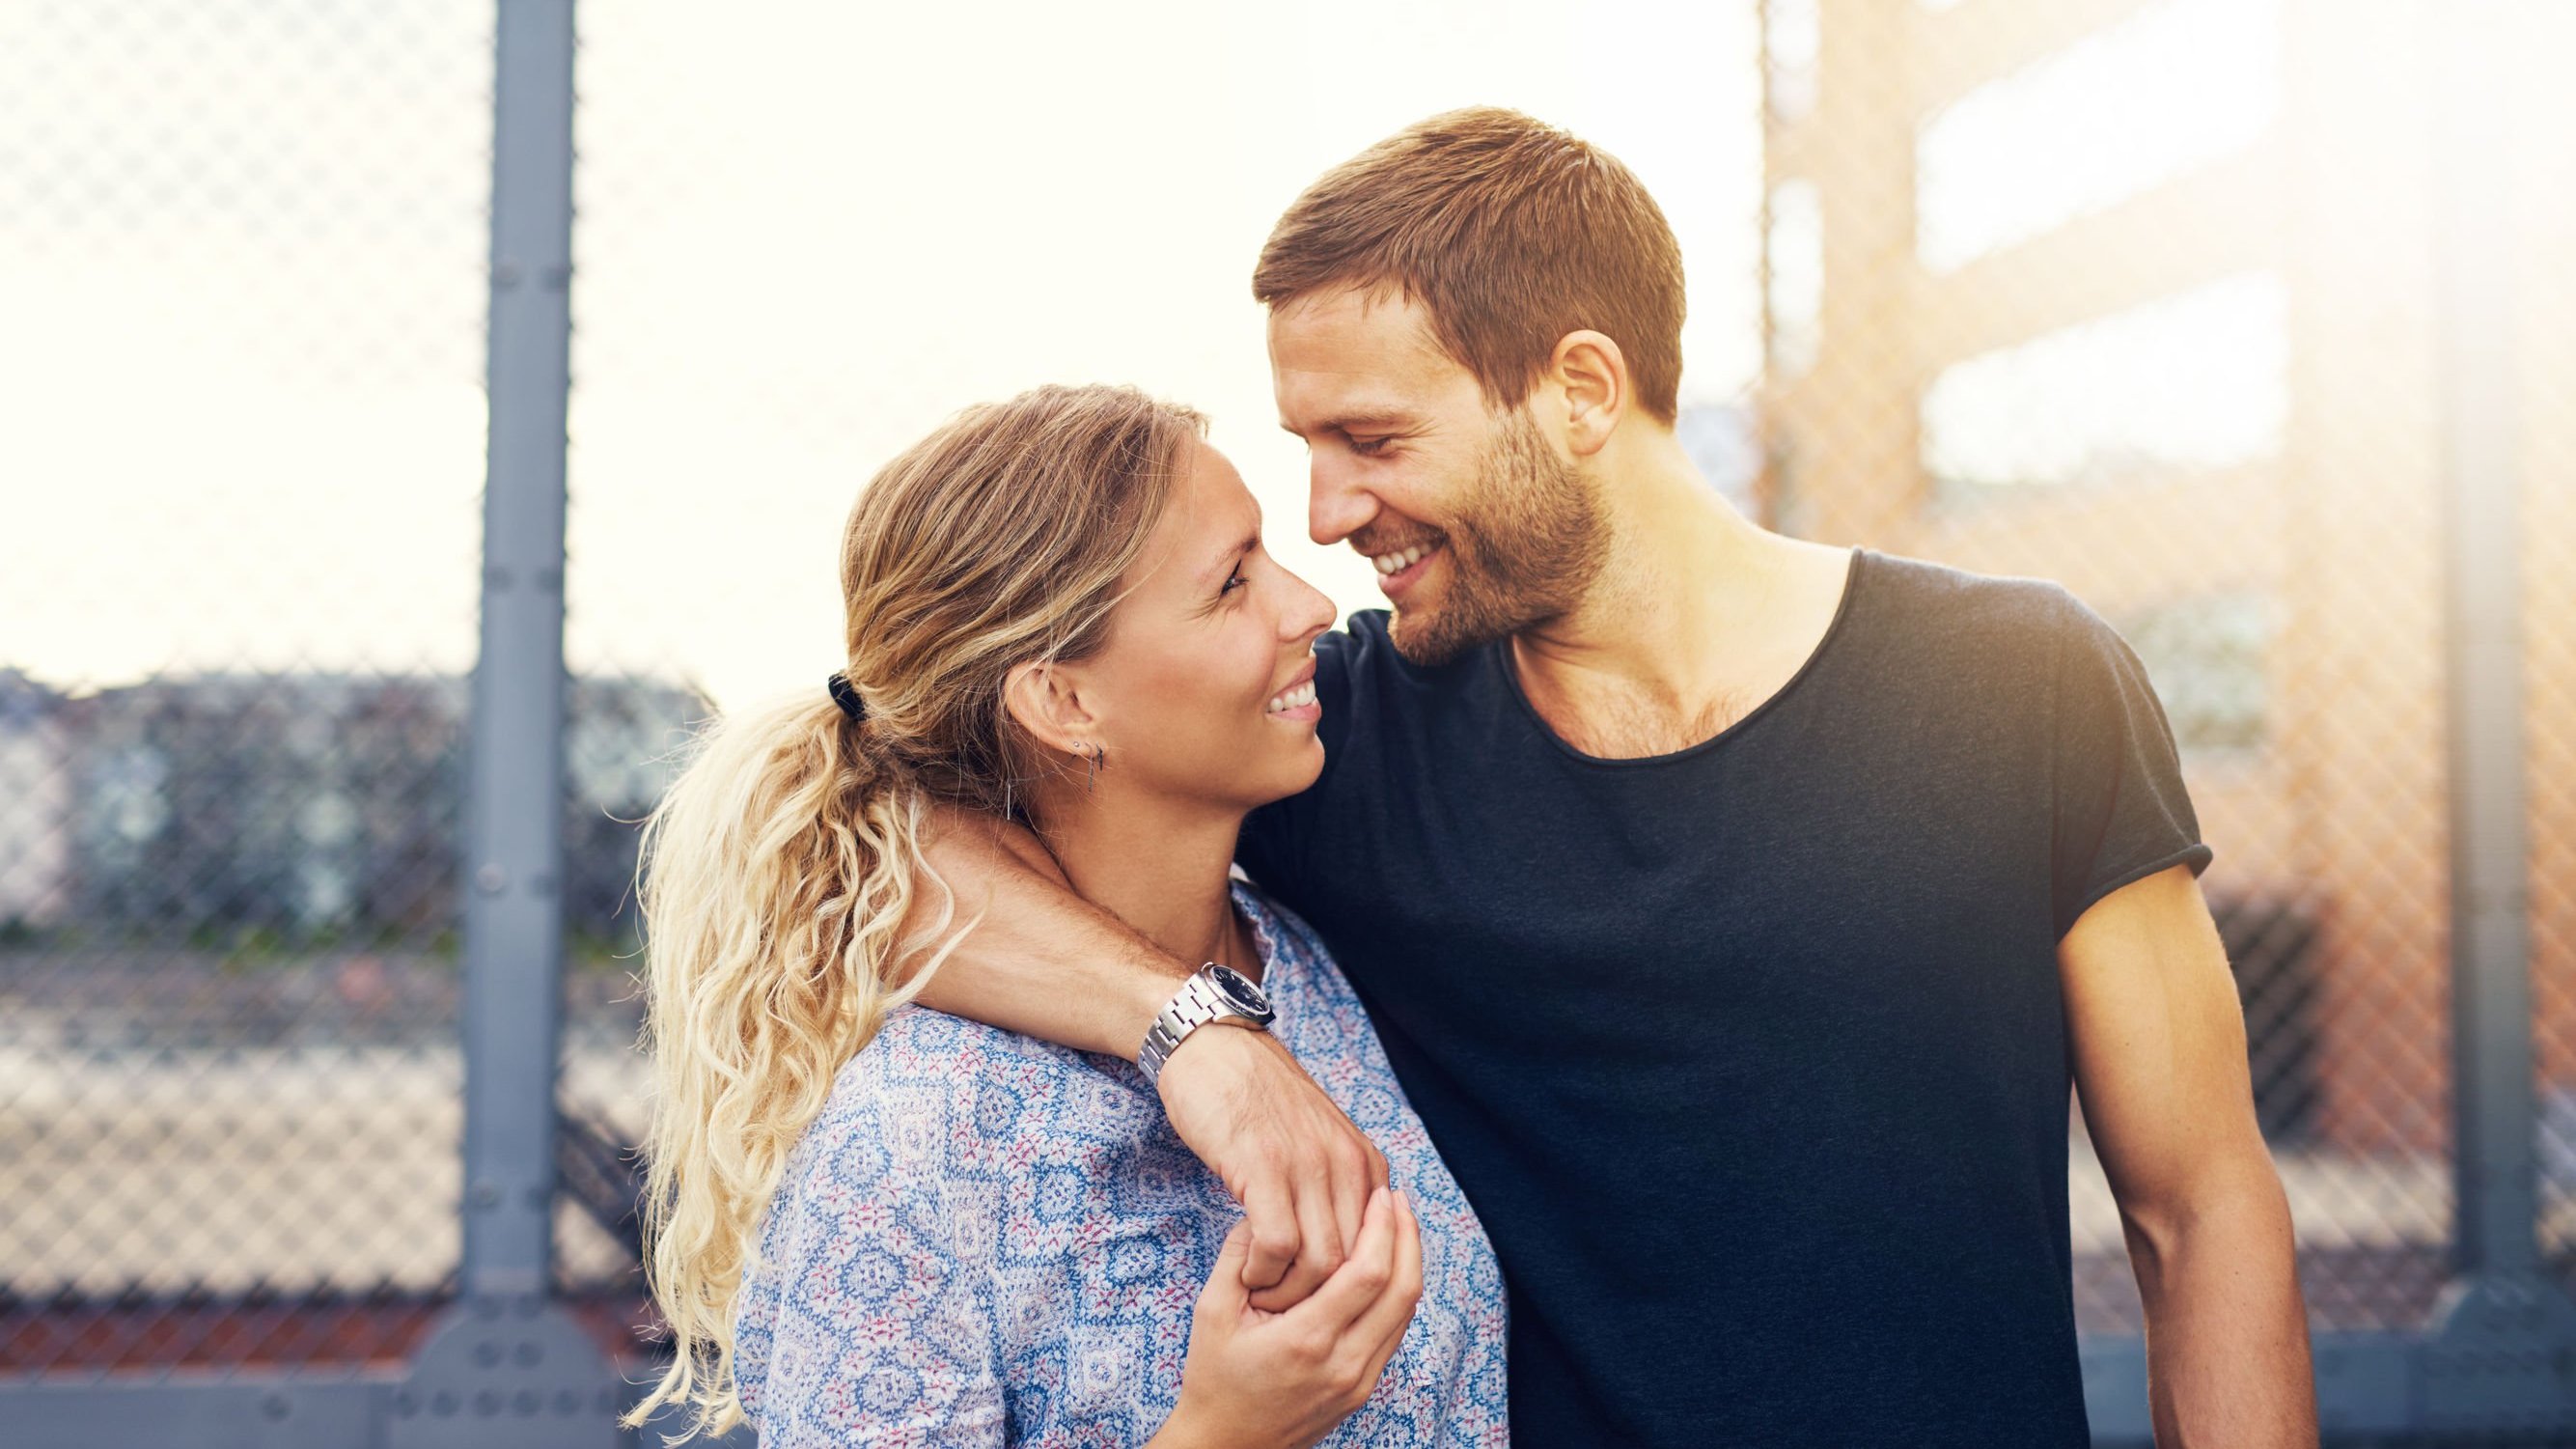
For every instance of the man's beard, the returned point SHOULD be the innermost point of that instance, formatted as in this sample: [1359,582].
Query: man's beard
[1522,549]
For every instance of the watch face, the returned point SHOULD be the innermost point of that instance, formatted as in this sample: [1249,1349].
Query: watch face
[1247,997]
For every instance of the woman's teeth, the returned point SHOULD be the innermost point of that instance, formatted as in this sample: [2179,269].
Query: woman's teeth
[1396,563]
[1294,697]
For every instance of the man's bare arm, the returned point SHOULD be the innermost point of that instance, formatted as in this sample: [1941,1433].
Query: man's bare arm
[2159,1052]
[1041,961]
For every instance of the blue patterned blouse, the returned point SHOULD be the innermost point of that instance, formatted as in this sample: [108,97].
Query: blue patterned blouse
[987,1239]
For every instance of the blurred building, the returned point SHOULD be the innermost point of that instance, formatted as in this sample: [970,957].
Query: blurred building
[301,802]
[1725,445]
[2147,298]
[35,805]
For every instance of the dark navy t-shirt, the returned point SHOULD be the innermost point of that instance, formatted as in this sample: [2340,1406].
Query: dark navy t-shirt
[1753,1057]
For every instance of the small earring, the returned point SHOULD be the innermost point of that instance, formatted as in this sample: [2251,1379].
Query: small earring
[1090,766]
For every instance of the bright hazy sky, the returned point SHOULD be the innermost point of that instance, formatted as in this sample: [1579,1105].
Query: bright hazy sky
[240,286]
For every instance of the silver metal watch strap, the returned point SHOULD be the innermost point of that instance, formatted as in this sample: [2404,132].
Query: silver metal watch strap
[1197,1003]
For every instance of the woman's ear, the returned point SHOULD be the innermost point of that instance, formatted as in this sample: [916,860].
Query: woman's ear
[1046,700]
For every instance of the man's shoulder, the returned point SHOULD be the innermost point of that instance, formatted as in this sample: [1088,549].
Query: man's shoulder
[1923,604]
[1966,595]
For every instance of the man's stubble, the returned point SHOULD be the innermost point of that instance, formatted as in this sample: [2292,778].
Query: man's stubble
[1524,549]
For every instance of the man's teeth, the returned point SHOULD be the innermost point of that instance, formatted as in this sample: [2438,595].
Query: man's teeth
[1396,563]
[1293,698]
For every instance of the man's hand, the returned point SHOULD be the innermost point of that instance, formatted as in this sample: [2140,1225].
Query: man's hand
[1301,1170]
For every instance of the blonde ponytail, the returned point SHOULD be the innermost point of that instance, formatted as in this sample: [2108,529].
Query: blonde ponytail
[780,867]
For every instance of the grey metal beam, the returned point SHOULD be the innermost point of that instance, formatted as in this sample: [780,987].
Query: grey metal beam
[514,845]
[2367,1384]
[507,1368]
[2492,1095]
[301,1411]
[2370,1386]
[311,1410]
[2503,1348]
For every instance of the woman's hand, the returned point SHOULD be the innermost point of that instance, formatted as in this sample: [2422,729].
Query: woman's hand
[1260,1380]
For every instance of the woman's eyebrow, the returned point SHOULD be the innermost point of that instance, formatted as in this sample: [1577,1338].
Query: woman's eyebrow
[1226,560]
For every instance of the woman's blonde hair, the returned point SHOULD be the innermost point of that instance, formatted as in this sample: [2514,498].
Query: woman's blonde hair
[778,871]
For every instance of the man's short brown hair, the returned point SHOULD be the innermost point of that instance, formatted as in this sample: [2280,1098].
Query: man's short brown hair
[1510,233]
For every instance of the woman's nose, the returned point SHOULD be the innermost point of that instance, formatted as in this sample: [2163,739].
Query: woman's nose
[1313,614]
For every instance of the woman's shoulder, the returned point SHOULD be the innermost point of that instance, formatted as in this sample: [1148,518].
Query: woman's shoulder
[934,1090]
[917,1044]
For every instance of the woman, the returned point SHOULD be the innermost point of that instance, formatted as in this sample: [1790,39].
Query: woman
[873,1223]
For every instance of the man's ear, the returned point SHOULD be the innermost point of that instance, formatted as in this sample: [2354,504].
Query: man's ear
[1591,374]
[1045,698]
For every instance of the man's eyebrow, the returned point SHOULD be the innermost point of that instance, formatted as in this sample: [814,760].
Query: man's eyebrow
[1347,422]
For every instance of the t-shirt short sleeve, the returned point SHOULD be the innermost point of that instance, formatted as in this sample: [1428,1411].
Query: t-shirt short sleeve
[2120,811]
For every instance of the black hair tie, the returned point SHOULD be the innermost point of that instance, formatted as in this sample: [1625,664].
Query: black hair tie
[846,695]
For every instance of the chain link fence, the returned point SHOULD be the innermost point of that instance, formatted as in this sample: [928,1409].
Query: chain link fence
[2148,298]
[2145,297]
[241,309]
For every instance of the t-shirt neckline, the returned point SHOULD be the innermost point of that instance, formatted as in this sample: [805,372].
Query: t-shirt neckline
[1499,654]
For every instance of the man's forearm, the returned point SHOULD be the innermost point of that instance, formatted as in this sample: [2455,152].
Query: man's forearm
[2227,1336]
[1040,961]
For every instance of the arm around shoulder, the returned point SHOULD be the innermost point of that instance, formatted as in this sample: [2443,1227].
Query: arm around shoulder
[1037,959]
[1022,951]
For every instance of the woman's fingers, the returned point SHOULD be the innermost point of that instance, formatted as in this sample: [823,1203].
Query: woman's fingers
[1362,1277]
[1224,1288]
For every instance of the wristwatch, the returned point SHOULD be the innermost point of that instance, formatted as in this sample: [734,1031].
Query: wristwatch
[1213,993]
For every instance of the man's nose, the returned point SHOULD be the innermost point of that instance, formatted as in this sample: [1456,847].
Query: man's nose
[1335,507]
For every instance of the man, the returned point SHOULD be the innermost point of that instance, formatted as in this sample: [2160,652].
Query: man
[1735,910]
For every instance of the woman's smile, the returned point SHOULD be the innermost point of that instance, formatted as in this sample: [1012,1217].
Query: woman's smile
[1297,703]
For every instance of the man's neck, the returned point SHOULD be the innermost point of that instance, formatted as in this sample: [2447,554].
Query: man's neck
[1157,865]
[1697,618]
